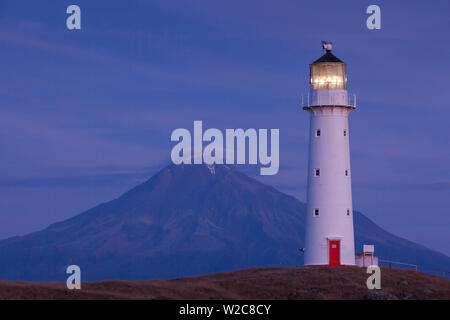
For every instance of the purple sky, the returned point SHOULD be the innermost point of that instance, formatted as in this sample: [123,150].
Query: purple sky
[86,115]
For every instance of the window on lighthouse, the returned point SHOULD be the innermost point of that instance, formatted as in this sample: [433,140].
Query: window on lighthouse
[346,172]
[318,133]
[316,212]
[348,212]
[345,133]
[317,172]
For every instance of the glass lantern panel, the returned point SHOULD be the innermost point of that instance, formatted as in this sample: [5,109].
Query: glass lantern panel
[328,76]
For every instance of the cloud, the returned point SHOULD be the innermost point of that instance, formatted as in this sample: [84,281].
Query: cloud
[91,181]
[428,187]
[56,146]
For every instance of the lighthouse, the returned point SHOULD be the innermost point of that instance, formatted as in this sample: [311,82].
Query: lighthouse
[329,223]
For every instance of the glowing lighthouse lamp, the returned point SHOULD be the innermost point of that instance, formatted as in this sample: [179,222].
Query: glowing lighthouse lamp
[329,227]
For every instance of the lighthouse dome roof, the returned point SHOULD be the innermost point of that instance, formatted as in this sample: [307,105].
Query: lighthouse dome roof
[328,57]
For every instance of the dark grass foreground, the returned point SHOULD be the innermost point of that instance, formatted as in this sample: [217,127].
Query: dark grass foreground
[262,283]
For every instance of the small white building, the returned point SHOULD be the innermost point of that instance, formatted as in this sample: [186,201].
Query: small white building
[367,257]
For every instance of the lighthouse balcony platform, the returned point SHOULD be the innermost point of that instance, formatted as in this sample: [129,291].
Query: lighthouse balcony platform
[318,98]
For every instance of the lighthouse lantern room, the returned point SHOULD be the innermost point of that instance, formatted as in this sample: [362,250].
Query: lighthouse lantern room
[329,230]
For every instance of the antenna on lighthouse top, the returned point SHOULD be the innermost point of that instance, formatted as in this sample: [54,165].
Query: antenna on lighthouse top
[327,45]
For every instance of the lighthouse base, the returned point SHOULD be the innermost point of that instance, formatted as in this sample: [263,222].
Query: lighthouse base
[330,265]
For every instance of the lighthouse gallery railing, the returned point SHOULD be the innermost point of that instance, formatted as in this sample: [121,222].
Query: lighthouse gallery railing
[308,101]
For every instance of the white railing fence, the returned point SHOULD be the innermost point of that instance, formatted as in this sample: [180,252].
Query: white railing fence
[307,100]
[415,267]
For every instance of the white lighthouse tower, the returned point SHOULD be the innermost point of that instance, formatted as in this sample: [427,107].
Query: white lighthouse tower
[329,226]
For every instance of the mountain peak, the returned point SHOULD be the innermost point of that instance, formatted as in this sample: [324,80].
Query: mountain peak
[212,169]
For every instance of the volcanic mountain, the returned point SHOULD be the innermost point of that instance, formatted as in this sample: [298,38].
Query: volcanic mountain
[186,220]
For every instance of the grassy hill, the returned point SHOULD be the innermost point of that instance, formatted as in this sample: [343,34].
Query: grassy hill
[286,283]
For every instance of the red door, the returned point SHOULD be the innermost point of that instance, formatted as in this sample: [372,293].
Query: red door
[334,252]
